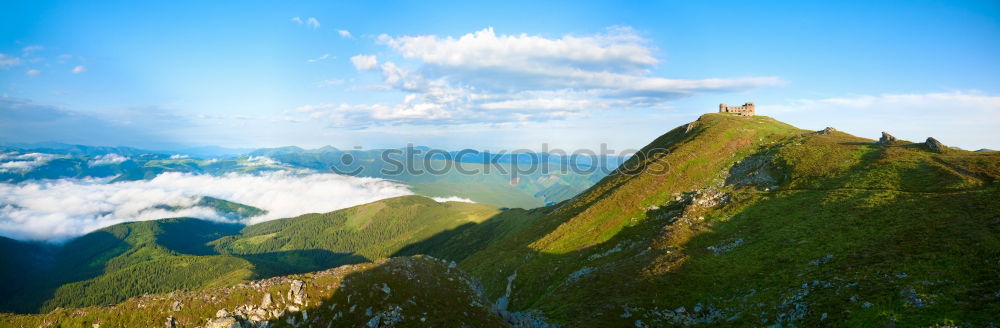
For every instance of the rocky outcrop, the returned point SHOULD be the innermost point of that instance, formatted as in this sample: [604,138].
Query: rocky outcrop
[886,139]
[690,126]
[297,293]
[827,131]
[754,170]
[935,146]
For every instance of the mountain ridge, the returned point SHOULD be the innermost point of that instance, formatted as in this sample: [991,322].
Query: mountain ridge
[741,221]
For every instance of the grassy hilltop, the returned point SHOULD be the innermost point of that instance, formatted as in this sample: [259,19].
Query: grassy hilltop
[728,220]
[757,222]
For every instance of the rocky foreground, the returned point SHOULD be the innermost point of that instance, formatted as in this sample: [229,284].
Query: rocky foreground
[407,291]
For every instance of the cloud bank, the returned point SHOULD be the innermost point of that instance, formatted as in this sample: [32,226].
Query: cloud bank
[21,163]
[452,199]
[488,77]
[56,210]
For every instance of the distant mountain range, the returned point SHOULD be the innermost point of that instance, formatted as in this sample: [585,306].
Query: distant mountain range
[725,221]
[494,183]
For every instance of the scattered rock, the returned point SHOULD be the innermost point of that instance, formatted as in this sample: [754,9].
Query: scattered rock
[934,145]
[821,260]
[723,248]
[886,139]
[579,274]
[171,323]
[388,318]
[176,306]
[221,313]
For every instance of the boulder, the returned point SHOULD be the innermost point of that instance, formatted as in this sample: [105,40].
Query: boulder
[176,306]
[297,293]
[934,145]
[266,302]
[886,139]
[171,322]
[227,322]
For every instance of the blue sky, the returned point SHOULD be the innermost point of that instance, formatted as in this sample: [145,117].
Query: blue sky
[489,76]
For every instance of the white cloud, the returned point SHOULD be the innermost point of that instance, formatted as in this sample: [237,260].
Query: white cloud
[364,62]
[23,163]
[108,159]
[30,49]
[488,77]
[345,34]
[260,161]
[8,61]
[965,119]
[60,209]
[179,156]
[618,50]
[79,69]
[320,58]
[33,72]
[312,22]
[452,199]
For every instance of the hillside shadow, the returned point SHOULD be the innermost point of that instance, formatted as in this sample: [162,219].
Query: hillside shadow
[72,262]
[191,236]
[273,264]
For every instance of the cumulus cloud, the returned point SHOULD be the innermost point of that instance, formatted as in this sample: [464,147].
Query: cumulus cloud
[60,209]
[78,69]
[108,159]
[959,118]
[364,62]
[345,34]
[452,199]
[179,156]
[22,163]
[495,78]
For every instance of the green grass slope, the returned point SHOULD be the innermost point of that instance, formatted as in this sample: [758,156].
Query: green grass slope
[749,221]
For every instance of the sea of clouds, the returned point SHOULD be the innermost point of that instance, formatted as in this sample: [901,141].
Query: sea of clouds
[56,210]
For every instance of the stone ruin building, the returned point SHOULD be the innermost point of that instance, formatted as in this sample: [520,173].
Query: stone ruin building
[745,110]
